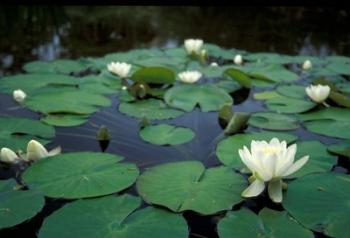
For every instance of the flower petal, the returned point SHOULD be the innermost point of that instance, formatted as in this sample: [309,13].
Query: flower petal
[254,189]
[275,190]
[287,160]
[296,166]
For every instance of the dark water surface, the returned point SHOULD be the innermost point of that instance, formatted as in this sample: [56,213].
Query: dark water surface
[30,33]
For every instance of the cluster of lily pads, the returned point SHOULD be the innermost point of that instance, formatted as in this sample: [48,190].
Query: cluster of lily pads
[155,86]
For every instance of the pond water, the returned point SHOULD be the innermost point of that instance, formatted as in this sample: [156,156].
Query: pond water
[78,32]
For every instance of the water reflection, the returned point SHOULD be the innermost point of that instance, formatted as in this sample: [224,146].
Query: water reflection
[46,33]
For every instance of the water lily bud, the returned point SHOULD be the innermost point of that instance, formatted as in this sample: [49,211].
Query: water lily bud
[318,93]
[238,59]
[121,69]
[307,65]
[193,46]
[36,151]
[214,64]
[190,76]
[19,95]
[8,156]
[270,162]
[124,88]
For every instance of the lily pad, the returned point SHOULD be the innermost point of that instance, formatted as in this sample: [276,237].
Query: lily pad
[269,223]
[113,216]
[155,75]
[164,134]
[62,101]
[340,149]
[273,121]
[186,97]
[64,119]
[329,128]
[31,82]
[81,174]
[182,186]
[333,113]
[15,133]
[63,66]
[266,95]
[227,149]
[293,91]
[17,206]
[319,161]
[289,105]
[321,202]
[152,109]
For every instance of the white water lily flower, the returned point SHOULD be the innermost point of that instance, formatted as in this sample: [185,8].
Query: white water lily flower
[214,64]
[270,162]
[190,76]
[318,93]
[124,88]
[36,151]
[121,69]
[307,65]
[193,46]
[238,59]
[19,95]
[8,156]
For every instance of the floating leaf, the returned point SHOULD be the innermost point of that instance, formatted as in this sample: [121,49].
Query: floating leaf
[340,149]
[113,216]
[15,133]
[186,97]
[156,75]
[227,149]
[182,186]
[332,113]
[269,223]
[319,161]
[324,204]
[289,105]
[340,99]
[337,129]
[164,134]
[63,66]
[266,95]
[293,91]
[239,76]
[64,119]
[152,109]
[273,121]
[17,206]
[81,174]
[61,101]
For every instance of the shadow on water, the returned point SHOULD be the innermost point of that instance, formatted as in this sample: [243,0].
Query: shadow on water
[47,33]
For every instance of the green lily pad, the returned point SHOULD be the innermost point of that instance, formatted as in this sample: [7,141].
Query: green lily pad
[269,223]
[186,97]
[182,186]
[339,68]
[293,91]
[330,128]
[31,82]
[15,133]
[332,113]
[321,202]
[273,121]
[267,95]
[340,149]
[289,105]
[319,161]
[164,134]
[227,149]
[156,75]
[62,101]
[64,119]
[17,206]
[152,109]
[63,66]
[113,216]
[81,174]
[239,76]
